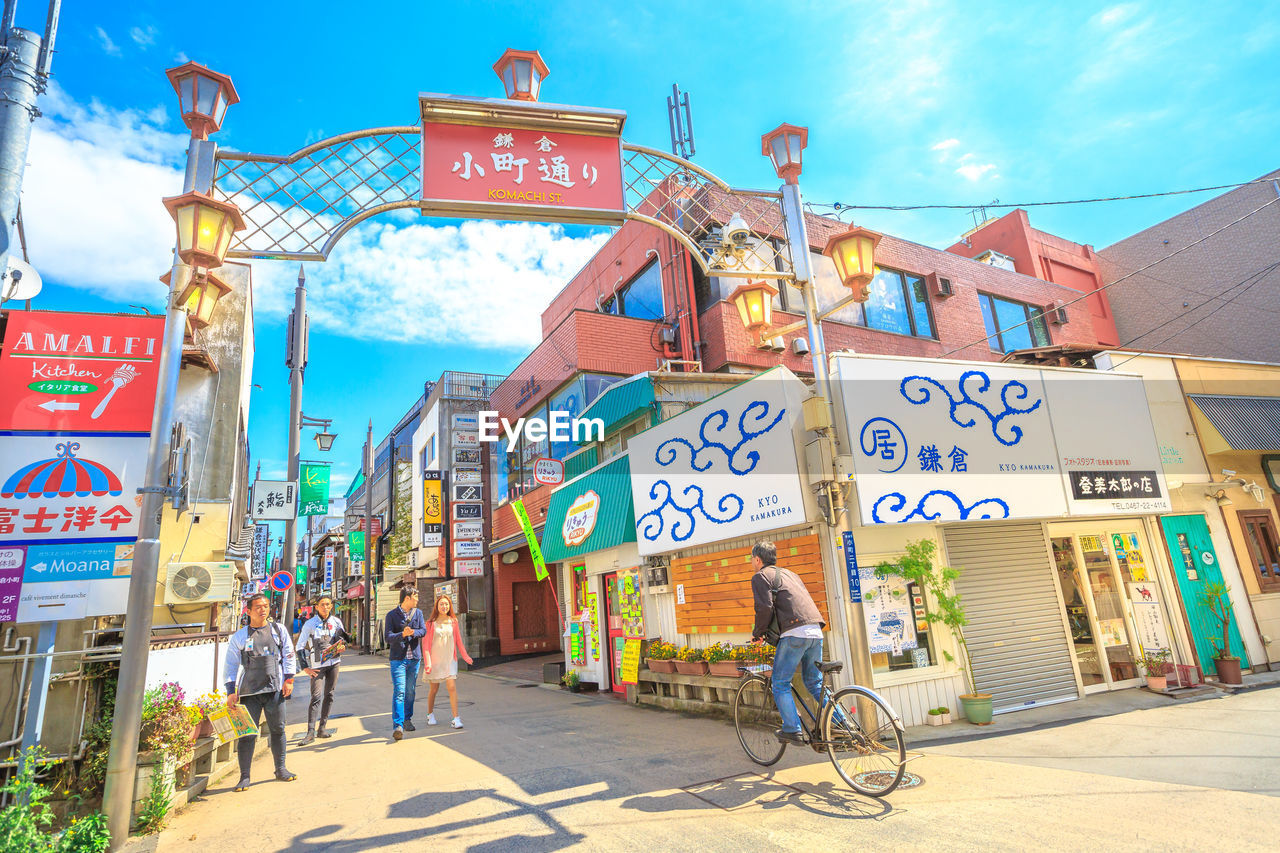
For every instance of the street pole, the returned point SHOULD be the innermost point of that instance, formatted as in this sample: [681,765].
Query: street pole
[296,360]
[855,629]
[368,538]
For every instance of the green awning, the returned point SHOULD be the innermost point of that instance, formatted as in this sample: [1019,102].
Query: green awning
[621,402]
[610,516]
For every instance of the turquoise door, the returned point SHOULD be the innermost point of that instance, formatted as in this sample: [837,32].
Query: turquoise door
[1195,564]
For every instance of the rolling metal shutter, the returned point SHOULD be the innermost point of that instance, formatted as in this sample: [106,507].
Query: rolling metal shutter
[1015,633]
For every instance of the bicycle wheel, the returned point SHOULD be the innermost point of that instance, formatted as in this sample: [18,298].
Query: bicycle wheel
[755,716]
[864,741]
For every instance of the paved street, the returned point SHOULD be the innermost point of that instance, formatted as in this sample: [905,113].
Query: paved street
[539,769]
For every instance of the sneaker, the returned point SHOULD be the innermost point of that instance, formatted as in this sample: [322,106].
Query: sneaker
[457,722]
[409,726]
[397,733]
[309,737]
[431,719]
[788,737]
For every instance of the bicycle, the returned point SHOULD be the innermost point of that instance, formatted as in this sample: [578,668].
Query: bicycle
[864,743]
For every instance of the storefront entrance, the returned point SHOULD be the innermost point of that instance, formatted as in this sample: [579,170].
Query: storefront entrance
[1195,566]
[617,637]
[1114,604]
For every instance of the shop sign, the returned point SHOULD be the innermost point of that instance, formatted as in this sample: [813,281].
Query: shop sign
[535,167]
[328,567]
[469,477]
[889,611]
[79,372]
[966,441]
[468,511]
[261,548]
[851,566]
[580,519]
[11,565]
[313,489]
[274,500]
[471,548]
[463,456]
[467,494]
[631,661]
[465,421]
[432,510]
[723,470]
[355,546]
[468,568]
[58,488]
[1148,616]
[531,539]
[73,580]
[548,471]
[466,439]
[630,607]
[468,530]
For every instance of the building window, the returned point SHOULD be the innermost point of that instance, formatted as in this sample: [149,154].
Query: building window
[898,304]
[1013,325]
[1264,547]
[616,443]
[641,297]
[429,452]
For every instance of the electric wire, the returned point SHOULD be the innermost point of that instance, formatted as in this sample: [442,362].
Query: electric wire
[1085,296]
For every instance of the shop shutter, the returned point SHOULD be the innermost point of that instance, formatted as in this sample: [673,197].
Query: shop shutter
[1015,633]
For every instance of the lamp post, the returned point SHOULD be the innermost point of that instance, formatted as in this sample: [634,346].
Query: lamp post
[204,229]
[785,146]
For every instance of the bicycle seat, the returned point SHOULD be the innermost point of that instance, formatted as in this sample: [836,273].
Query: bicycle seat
[831,666]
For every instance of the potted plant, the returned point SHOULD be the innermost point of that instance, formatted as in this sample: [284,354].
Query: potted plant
[720,660]
[1216,598]
[1157,664]
[917,567]
[689,661]
[572,680]
[662,657]
[206,703]
[939,716]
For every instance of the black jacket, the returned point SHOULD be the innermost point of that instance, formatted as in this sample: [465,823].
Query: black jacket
[399,647]
[794,605]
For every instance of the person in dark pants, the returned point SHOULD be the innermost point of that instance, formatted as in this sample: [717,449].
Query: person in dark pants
[259,675]
[405,629]
[320,646]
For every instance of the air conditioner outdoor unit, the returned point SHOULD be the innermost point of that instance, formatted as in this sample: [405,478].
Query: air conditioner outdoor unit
[198,583]
[1058,313]
[940,285]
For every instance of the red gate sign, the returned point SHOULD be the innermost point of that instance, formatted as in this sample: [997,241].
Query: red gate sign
[79,372]
[508,160]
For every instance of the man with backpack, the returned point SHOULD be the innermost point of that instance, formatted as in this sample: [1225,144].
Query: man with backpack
[320,645]
[787,618]
[259,675]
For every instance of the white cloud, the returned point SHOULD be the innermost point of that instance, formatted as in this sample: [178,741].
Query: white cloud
[946,145]
[181,58]
[143,37]
[975,171]
[1116,14]
[94,221]
[108,46]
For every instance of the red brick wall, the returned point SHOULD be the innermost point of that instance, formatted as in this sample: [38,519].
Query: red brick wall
[620,258]
[535,504]
[504,576]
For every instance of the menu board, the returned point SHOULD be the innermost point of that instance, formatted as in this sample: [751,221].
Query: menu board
[630,607]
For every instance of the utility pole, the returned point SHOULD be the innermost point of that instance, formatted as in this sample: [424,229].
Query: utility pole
[368,538]
[296,361]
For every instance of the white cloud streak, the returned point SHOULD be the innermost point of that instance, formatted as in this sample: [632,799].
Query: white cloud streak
[109,47]
[143,37]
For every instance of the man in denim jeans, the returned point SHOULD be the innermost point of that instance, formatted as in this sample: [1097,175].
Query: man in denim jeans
[405,629]
[780,591]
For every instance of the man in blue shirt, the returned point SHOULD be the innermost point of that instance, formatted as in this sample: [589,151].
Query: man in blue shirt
[405,629]
[259,675]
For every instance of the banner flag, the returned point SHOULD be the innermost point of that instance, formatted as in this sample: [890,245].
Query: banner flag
[540,567]
[313,489]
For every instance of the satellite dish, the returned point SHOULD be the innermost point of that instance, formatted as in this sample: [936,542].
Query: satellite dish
[21,281]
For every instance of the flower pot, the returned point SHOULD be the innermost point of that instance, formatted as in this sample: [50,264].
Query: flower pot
[1157,682]
[661,665]
[728,668]
[691,667]
[1228,670]
[205,730]
[937,719]
[977,708]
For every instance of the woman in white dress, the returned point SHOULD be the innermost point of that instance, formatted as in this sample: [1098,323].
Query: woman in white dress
[442,664]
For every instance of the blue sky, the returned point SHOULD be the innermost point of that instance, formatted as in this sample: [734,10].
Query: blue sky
[906,102]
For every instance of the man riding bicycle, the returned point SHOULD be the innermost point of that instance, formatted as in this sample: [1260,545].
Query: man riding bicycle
[787,617]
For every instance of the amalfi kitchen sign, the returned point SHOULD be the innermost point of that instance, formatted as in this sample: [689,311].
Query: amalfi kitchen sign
[968,441]
[502,159]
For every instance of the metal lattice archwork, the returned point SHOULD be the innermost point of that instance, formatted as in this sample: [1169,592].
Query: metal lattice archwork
[298,207]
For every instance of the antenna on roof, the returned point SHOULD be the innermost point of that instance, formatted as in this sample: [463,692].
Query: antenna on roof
[680,118]
[979,214]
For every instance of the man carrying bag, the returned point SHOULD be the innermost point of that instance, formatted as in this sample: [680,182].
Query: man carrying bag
[259,675]
[320,647]
[787,618]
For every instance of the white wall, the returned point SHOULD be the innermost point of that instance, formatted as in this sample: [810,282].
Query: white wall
[192,666]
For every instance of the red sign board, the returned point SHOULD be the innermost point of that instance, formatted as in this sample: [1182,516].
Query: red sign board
[79,372]
[521,172]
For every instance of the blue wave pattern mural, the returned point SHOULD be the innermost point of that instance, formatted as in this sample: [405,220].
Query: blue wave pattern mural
[739,459]
[984,509]
[917,391]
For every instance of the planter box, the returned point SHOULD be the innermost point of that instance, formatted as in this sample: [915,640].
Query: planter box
[691,667]
[552,672]
[937,719]
[726,668]
[661,665]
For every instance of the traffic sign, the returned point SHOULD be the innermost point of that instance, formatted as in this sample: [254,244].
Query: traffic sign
[281,581]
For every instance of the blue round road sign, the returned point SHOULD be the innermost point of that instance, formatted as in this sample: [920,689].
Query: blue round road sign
[281,581]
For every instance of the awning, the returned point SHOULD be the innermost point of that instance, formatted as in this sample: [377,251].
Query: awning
[241,544]
[608,517]
[356,591]
[621,402]
[1245,423]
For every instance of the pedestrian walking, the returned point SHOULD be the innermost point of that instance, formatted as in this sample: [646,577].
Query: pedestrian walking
[442,660]
[787,617]
[259,675]
[405,629]
[320,645]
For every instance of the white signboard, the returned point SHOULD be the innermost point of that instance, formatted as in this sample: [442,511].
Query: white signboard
[466,439]
[1148,616]
[725,469]
[64,488]
[968,441]
[261,550]
[465,477]
[466,421]
[71,580]
[468,568]
[468,548]
[328,567]
[464,456]
[274,500]
[889,611]
[548,471]
[468,530]
[580,518]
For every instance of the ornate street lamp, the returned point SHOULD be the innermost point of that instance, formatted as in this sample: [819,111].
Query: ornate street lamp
[205,226]
[324,440]
[200,296]
[203,97]
[854,254]
[785,146]
[755,304]
[522,73]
